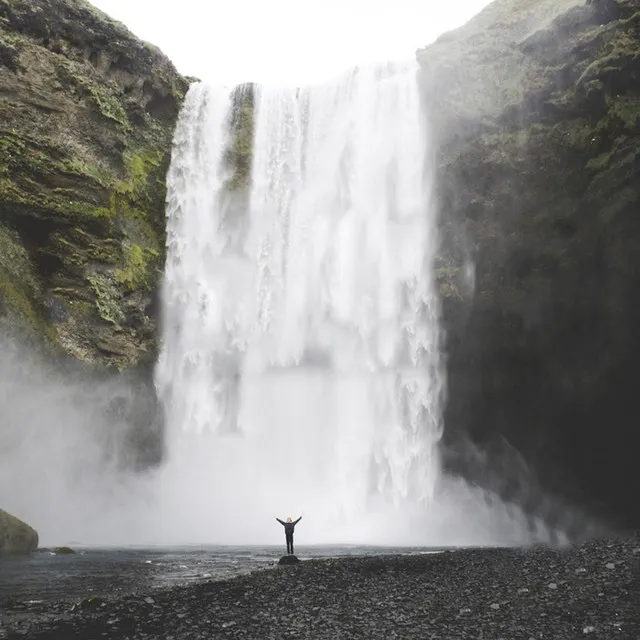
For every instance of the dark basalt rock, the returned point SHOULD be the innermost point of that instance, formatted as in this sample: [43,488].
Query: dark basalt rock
[288,560]
[536,113]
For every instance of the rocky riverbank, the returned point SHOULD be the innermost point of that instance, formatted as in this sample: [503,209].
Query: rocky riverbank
[590,591]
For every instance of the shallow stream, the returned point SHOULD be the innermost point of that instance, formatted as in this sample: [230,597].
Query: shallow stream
[45,576]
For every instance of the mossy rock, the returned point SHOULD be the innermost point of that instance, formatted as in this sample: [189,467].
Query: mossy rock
[239,155]
[84,152]
[16,536]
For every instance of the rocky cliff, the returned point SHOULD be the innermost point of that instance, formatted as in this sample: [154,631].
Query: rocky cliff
[536,106]
[87,113]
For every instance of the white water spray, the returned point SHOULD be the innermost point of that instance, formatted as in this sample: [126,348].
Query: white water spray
[301,369]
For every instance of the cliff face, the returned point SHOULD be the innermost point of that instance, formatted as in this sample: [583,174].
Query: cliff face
[87,113]
[536,106]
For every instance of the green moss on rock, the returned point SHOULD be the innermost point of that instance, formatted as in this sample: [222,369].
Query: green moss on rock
[85,135]
[238,157]
[108,297]
[20,290]
[104,96]
[137,271]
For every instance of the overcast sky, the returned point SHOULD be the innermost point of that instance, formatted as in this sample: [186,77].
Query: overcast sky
[231,41]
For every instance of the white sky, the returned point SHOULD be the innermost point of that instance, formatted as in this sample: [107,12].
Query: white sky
[232,41]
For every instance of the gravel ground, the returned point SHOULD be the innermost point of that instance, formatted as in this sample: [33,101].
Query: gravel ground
[591,591]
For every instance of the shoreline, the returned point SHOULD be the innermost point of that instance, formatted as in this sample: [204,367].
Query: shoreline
[591,590]
[118,571]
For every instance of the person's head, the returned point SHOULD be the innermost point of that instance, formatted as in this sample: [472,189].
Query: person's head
[289,520]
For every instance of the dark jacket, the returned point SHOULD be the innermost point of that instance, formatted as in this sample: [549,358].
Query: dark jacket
[289,526]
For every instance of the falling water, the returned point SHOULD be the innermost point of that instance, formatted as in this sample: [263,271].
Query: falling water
[301,369]
[342,234]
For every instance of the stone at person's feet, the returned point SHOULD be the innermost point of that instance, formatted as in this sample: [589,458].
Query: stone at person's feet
[290,559]
[16,536]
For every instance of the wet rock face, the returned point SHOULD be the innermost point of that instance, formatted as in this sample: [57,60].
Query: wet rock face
[16,537]
[538,121]
[87,113]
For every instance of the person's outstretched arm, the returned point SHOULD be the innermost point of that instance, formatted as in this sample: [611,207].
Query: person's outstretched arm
[280,521]
[298,520]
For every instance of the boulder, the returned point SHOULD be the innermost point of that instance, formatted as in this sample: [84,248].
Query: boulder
[64,551]
[285,560]
[16,536]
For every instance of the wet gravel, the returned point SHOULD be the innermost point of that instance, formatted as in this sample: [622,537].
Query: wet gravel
[591,591]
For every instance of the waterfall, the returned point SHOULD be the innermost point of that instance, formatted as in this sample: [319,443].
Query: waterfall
[300,368]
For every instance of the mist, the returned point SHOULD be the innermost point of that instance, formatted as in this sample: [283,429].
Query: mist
[68,449]
[68,466]
[233,443]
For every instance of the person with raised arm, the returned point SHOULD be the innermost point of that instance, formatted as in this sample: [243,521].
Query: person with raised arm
[289,526]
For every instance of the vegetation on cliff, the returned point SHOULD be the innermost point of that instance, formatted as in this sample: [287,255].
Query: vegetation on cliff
[537,112]
[239,154]
[87,113]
